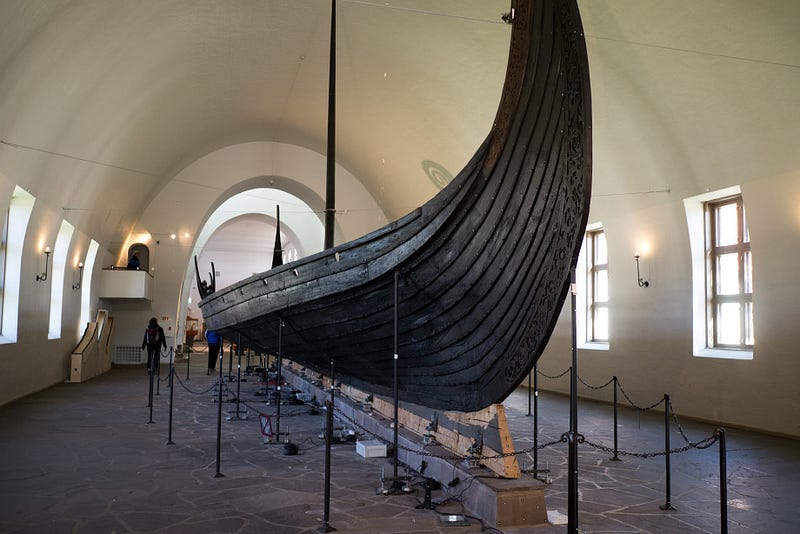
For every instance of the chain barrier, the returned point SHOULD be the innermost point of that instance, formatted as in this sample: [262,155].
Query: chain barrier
[680,429]
[187,388]
[641,408]
[624,394]
[595,387]
[702,444]
[555,376]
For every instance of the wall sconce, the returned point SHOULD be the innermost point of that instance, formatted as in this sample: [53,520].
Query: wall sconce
[642,282]
[80,277]
[42,277]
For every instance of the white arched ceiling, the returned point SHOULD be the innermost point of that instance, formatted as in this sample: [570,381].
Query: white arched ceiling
[239,237]
[111,100]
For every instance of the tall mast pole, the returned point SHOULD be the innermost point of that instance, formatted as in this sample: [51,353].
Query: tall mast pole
[330,178]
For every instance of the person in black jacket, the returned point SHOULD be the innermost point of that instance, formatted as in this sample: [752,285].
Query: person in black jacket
[154,339]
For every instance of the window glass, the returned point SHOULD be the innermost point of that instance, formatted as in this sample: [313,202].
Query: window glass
[601,324]
[728,327]
[727,225]
[728,274]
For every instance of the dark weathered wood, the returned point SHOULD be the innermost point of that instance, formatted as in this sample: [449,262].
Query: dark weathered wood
[483,265]
[277,253]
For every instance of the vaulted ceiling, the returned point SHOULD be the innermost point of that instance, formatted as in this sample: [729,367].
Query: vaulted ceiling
[103,102]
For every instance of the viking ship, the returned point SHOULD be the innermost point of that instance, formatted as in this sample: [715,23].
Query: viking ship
[463,293]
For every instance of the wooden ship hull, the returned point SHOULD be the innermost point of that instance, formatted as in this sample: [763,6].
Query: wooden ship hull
[482,269]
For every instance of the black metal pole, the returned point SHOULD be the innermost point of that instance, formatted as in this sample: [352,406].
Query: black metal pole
[530,394]
[572,461]
[219,410]
[278,379]
[615,458]
[238,376]
[330,175]
[171,366]
[171,397]
[326,508]
[723,483]
[150,396]
[536,419]
[668,485]
[188,358]
[230,362]
[158,373]
[395,456]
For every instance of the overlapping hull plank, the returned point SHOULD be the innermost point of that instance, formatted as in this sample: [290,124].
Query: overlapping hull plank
[483,267]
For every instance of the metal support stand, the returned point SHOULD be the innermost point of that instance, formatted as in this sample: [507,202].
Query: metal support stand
[397,485]
[530,394]
[150,395]
[238,378]
[572,437]
[171,397]
[171,366]
[326,513]
[616,457]
[188,358]
[230,362]
[158,372]
[221,384]
[279,379]
[668,504]
[723,483]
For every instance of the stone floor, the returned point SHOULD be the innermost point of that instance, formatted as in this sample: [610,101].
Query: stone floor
[82,458]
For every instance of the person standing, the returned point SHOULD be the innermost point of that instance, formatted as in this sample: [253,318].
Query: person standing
[154,339]
[214,341]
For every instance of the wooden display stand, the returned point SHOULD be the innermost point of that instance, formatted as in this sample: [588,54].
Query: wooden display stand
[497,493]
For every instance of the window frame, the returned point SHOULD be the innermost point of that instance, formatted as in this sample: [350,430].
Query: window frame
[593,269]
[713,253]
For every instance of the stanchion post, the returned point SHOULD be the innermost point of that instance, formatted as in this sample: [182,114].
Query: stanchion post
[535,418]
[219,411]
[150,395]
[530,394]
[238,376]
[158,372]
[171,397]
[279,378]
[171,366]
[573,436]
[616,458]
[188,357]
[395,442]
[326,508]
[723,482]
[668,483]
[230,363]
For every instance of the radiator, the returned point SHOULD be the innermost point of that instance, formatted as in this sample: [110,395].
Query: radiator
[129,355]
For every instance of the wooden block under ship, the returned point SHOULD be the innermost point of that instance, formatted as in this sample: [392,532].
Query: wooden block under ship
[482,269]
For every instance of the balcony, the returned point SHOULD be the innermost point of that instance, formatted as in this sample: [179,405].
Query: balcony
[124,284]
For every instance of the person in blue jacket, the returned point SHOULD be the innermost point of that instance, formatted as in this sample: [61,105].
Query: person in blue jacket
[214,344]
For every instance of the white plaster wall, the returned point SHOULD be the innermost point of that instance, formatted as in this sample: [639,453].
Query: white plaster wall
[651,328]
[35,362]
